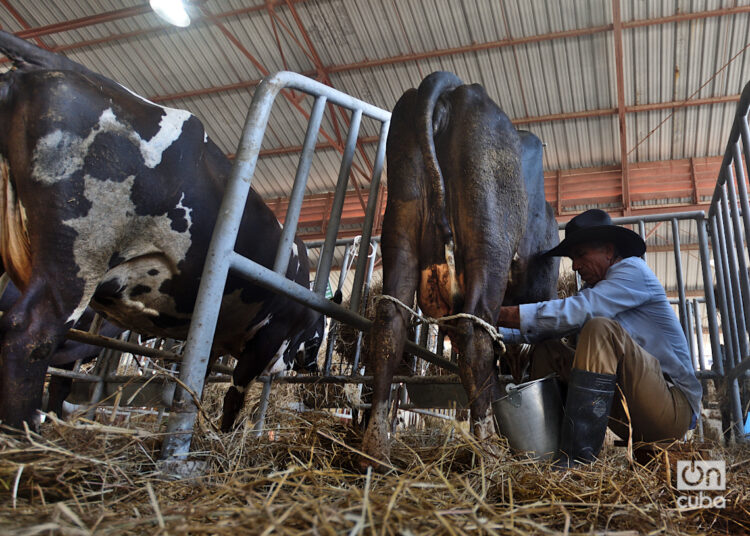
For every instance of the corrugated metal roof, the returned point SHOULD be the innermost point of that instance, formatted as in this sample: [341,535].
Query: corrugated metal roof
[209,68]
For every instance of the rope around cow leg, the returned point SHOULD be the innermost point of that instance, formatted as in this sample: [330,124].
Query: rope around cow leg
[489,328]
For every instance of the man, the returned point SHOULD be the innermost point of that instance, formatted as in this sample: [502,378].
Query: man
[629,342]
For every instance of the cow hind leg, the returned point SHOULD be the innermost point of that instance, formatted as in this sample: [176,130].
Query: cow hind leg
[31,330]
[387,339]
[478,375]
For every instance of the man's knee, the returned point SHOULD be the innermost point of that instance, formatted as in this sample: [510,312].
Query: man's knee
[597,349]
[599,326]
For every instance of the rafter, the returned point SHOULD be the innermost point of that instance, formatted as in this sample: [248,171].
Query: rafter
[679,181]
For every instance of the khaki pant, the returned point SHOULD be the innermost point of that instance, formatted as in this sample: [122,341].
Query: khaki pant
[658,410]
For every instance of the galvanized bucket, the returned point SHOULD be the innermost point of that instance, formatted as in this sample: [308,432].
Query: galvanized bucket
[530,416]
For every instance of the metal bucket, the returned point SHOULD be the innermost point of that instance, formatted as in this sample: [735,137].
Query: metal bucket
[530,416]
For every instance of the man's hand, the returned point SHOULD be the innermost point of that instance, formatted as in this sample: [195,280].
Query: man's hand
[509,317]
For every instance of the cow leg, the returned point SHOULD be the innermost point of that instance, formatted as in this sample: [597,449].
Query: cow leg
[478,374]
[264,347]
[387,339]
[31,330]
[58,390]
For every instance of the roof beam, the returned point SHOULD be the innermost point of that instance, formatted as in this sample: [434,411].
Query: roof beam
[617,35]
[538,119]
[144,8]
[679,182]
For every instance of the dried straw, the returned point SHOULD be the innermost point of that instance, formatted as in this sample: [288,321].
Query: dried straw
[84,477]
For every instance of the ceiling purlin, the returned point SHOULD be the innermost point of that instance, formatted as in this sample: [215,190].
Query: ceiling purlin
[258,65]
[137,10]
[515,60]
[320,74]
[617,35]
[74,24]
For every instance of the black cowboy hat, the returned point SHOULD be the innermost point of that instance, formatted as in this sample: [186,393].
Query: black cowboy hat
[596,225]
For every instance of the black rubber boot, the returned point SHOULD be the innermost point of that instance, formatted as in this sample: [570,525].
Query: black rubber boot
[587,408]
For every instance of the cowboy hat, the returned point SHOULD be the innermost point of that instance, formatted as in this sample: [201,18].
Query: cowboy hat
[596,226]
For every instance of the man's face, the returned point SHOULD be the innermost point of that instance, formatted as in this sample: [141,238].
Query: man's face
[592,262]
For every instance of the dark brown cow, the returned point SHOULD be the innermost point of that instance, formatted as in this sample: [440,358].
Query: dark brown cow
[456,213]
[109,199]
[67,353]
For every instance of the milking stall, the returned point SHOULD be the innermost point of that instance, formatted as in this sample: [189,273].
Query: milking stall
[298,266]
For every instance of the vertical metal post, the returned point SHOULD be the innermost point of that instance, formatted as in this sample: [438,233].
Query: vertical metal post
[370,269]
[260,419]
[334,222]
[372,205]
[298,190]
[731,340]
[680,280]
[732,276]
[332,331]
[211,288]
[724,287]
[711,292]
[691,333]
[742,188]
[642,232]
[739,246]
[284,251]
[699,335]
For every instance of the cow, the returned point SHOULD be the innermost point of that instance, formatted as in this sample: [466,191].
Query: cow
[302,356]
[533,277]
[455,216]
[109,200]
[67,352]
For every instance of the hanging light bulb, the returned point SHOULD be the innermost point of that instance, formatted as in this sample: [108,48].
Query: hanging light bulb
[171,11]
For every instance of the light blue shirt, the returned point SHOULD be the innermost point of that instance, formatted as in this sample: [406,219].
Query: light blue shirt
[631,294]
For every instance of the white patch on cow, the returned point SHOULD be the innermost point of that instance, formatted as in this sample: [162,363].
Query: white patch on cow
[144,99]
[187,210]
[295,257]
[170,130]
[256,327]
[205,137]
[277,364]
[59,154]
[146,241]
[281,225]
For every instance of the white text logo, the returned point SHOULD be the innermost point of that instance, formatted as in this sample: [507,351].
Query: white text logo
[700,476]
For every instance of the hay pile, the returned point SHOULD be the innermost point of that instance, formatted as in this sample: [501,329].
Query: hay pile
[93,478]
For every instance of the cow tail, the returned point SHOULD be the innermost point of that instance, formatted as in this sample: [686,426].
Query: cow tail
[15,247]
[429,92]
[28,57]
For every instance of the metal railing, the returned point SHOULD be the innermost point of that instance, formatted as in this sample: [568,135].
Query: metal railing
[729,223]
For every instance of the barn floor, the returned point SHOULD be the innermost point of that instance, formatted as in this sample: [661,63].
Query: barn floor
[101,478]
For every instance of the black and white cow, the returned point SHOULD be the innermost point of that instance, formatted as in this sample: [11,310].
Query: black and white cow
[455,227]
[109,200]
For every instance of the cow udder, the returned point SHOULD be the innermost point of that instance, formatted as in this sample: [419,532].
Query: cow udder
[436,295]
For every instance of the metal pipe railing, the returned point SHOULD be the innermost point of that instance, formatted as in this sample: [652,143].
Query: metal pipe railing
[221,257]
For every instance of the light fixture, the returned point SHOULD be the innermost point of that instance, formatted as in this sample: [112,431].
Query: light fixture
[171,11]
